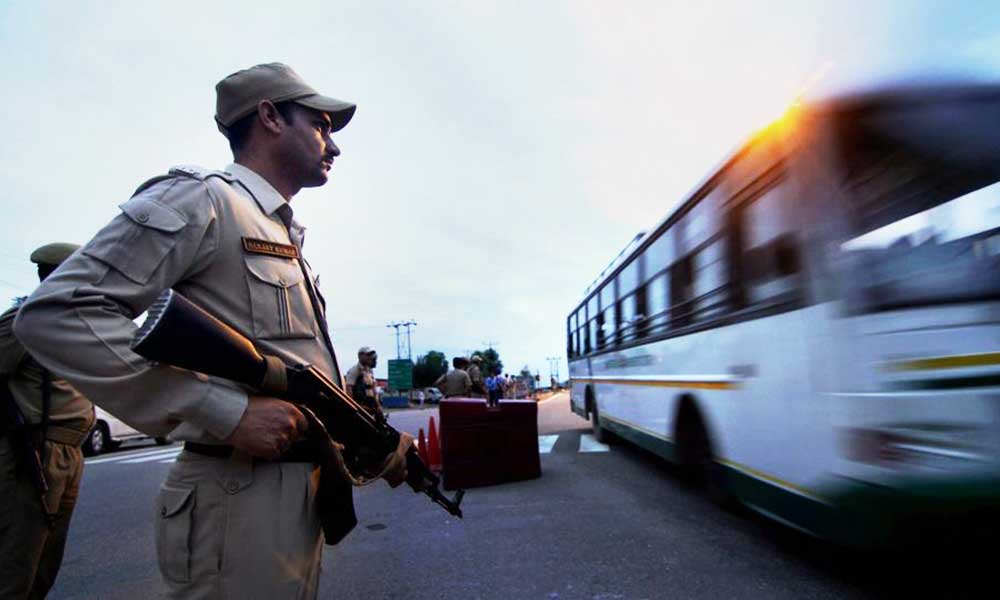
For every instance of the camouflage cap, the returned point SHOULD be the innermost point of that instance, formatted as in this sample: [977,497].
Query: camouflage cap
[53,254]
[238,95]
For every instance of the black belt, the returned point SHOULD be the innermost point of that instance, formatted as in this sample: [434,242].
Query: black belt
[297,453]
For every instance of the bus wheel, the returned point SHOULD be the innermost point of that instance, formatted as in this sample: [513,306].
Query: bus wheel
[697,461]
[600,434]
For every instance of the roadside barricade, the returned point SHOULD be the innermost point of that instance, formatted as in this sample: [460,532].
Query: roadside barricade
[486,446]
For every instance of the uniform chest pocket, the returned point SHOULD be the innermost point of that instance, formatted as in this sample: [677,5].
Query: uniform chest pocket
[279,299]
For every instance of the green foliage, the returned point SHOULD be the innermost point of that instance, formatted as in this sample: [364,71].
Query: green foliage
[428,368]
[491,361]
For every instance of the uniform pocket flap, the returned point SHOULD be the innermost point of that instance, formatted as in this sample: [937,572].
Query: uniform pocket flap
[173,500]
[149,213]
[279,272]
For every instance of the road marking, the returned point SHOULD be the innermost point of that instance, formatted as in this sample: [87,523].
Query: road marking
[120,457]
[546,442]
[169,460]
[589,444]
[151,458]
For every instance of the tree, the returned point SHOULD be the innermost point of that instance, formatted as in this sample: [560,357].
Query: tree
[491,361]
[428,368]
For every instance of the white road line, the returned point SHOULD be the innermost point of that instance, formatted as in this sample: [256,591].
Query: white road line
[120,457]
[589,444]
[168,461]
[151,458]
[545,443]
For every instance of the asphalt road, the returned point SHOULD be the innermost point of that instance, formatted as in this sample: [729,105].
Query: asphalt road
[601,523]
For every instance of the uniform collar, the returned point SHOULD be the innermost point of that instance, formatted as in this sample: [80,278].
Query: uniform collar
[268,198]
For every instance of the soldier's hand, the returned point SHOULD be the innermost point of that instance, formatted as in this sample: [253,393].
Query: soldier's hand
[394,471]
[268,427]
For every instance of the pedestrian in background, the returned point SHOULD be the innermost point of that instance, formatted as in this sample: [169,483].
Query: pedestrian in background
[455,383]
[494,388]
[236,516]
[361,382]
[43,422]
[476,376]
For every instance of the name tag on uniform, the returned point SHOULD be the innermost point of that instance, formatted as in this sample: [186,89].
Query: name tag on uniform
[255,246]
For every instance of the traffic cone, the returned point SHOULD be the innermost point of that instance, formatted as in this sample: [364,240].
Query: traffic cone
[422,447]
[433,448]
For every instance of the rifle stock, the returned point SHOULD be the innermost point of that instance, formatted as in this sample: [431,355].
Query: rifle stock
[180,333]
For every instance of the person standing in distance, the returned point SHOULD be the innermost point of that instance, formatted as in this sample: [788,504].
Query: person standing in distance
[476,376]
[361,382]
[455,383]
[54,419]
[236,516]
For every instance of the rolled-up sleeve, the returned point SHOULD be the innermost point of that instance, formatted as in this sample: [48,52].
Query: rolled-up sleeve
[79,322]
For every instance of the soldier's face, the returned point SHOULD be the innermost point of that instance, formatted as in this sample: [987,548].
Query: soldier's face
[307,150]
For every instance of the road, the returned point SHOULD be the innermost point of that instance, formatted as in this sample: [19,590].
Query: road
[603,522]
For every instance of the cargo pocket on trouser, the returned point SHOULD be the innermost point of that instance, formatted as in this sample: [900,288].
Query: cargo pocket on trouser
[173,532]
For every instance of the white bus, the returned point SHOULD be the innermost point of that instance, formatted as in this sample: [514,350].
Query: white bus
[815,330]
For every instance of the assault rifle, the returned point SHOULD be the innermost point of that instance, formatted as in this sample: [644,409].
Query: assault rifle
[341,433]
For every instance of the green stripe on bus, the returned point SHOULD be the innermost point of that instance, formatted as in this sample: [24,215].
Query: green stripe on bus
[945,362]
[670,383]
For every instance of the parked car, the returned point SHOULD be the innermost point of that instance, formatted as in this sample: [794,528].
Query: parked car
[108,433]
[433,395]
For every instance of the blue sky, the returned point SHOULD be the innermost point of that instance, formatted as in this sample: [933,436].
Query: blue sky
[502,152]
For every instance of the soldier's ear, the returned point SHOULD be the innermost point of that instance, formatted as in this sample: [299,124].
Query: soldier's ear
[269,117]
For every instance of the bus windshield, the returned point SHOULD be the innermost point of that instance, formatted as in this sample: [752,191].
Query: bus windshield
[924,210]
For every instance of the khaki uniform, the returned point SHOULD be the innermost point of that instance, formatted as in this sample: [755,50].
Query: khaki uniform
[476,377]
[454,384]
[220,239]
[30,549]
[370,399]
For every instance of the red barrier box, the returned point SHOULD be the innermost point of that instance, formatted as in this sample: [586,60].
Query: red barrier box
[486,446]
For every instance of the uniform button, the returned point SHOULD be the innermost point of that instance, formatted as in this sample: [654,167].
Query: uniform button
[232,486]
[142,218]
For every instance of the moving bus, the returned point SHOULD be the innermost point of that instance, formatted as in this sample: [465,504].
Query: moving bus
[815,330]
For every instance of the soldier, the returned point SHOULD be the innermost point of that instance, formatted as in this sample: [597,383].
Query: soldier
[235,517]
[476,376]
[44,421]
[360,380]
[455,383]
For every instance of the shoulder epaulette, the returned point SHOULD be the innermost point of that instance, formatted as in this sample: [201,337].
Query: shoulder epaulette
[189,171]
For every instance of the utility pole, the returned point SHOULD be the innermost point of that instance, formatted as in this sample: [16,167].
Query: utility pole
[399,348]
[554,365]
[409,348]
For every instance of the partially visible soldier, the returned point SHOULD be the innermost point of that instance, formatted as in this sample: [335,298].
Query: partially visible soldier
[455,383]
[44,421]
[476,376]
[361,380]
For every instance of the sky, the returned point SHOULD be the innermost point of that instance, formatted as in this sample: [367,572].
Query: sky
[502,152]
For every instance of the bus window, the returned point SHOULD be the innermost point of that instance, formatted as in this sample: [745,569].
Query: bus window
[592,336]
[770,247]
[681,305]
[657,304]
[628,308]
[608,325]
[660,254]
[710,292]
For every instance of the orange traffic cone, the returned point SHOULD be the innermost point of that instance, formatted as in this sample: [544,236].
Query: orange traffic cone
[433,448]
[422,447]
